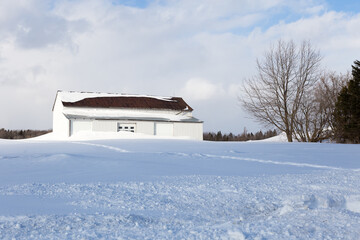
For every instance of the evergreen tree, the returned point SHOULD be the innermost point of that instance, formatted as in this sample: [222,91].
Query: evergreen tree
[218,136]
[347,109]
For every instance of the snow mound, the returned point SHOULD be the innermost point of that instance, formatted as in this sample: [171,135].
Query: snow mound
[353,203]
[88,136]
[161,189]
[279,138]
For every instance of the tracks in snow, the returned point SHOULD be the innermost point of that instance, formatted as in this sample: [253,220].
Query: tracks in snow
[295,164]
[103,146]
[280,163]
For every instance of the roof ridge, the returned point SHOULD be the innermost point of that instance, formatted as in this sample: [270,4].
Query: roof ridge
[114,93]
[142,102]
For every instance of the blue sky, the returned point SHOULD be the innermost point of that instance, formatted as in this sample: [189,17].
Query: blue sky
[280,14]
[345,5]
[132,3]
[336,5]
[201,50]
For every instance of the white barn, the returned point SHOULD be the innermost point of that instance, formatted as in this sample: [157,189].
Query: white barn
[75,112]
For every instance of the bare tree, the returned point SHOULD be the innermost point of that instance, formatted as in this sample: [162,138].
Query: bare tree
[274,96]
[314,120]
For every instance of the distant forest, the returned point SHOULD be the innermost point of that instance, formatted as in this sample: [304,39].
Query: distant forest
[245,136]
[21,134]
[208,136]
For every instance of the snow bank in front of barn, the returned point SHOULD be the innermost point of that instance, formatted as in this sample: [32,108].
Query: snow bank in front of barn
[176,189]
[84,136]
[87,136]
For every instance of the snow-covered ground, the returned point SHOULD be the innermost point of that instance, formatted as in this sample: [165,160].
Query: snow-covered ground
[178,189]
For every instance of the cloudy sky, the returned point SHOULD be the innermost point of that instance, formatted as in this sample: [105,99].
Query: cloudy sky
[198,49]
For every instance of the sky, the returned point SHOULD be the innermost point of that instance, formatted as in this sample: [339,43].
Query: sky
[200,50]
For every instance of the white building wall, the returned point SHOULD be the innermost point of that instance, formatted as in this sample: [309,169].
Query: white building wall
[104,126]
[164,129]
[81,125]
[145,127]
[64,127]
[191,130]
[61,125]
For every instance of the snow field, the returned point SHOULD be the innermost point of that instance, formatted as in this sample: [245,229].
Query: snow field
[172,189]
[198,207]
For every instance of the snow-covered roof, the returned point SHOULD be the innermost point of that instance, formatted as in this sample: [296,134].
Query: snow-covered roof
[117,100]
[123,114]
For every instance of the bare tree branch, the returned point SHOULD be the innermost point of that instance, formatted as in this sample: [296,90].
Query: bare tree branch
[284,76]
[314,121]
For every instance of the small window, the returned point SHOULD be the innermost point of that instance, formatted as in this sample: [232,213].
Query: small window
[128,127]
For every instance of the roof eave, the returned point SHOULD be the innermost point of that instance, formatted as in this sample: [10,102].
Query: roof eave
[124,108]
[127,118]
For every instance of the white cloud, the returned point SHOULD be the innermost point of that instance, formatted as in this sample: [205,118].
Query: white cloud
[93,45]
[30,24]
[201,89]
[234,90]
[332,32]
[315,9]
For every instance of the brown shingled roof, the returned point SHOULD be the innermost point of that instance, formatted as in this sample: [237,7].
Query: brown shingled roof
[174,103]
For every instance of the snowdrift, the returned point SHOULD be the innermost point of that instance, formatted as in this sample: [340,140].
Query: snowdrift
[177,189]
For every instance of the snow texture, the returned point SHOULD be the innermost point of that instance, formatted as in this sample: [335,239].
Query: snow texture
[178,189]
[176,116]
[74,96]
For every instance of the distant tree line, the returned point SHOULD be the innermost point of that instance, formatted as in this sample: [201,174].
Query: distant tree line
[209,136]
[244,136]
[21,134]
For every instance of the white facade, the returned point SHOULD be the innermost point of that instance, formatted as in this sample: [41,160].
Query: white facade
[61,124]
[68,121]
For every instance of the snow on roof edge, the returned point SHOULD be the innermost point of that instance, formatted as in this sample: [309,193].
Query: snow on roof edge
[74,96]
